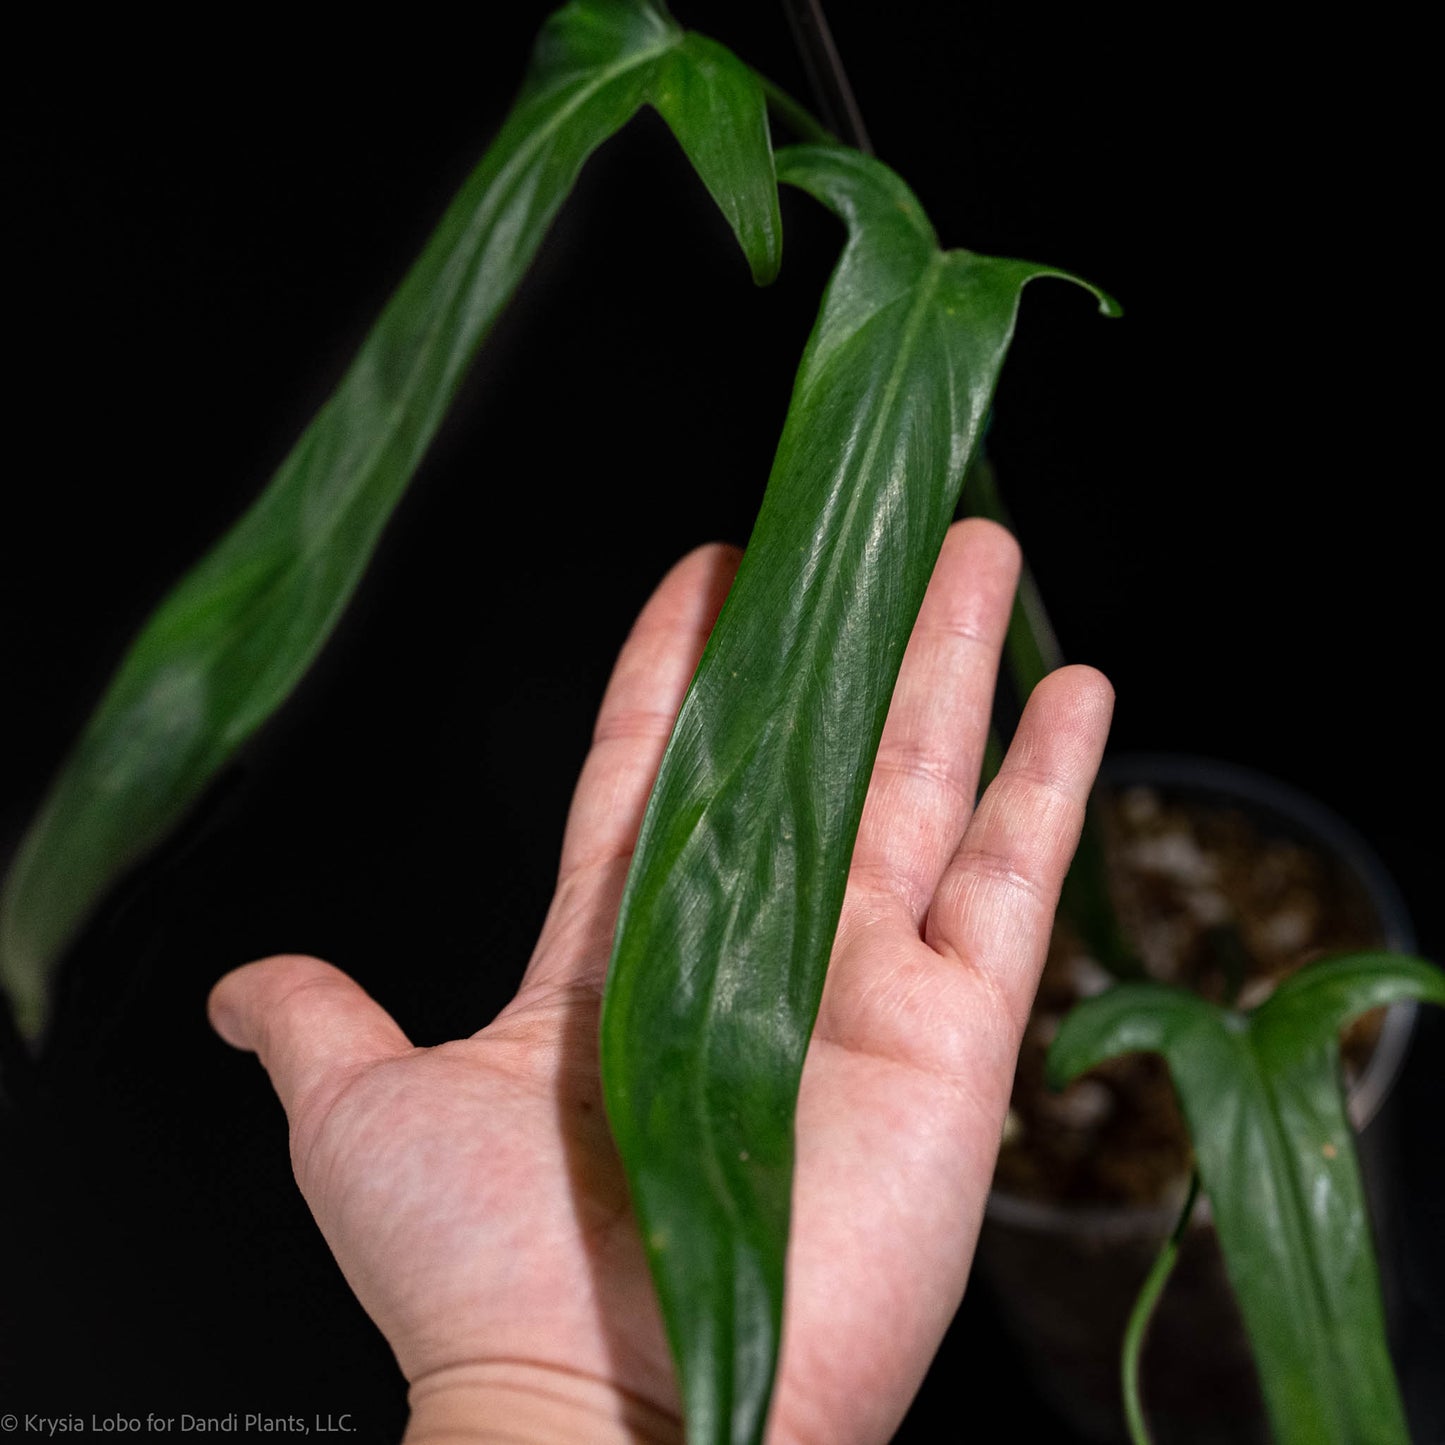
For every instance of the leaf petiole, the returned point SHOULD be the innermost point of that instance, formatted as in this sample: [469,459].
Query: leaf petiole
[1143,1312]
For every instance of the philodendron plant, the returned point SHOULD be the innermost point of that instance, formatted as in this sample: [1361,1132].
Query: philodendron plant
[1262,1099]
[1261,1096]
[716,973]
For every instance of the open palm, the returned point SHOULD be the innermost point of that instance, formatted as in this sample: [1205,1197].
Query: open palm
[471,1191]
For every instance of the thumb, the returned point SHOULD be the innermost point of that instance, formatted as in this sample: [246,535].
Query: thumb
[312,1027]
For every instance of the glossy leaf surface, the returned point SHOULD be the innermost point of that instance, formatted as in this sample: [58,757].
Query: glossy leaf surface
[1262,1097]
[735,891]
[229,644]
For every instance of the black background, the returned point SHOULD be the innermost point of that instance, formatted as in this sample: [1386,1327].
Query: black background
[1225,495]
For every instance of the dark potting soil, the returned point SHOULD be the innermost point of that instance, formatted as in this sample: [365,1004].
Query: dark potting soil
[1212,902]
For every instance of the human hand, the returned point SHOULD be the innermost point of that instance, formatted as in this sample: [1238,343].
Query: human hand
[471,1192]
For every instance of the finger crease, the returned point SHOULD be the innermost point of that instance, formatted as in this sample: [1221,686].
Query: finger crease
[1000,868]
[606,857]
[970,632]
[274,1014]
[902,762]
[634,724]
[884,877]
[1044,779]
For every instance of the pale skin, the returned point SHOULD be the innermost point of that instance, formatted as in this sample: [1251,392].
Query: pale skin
[471,1191]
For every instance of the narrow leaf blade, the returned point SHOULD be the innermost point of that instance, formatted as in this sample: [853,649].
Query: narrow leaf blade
[735,891]
[230,643]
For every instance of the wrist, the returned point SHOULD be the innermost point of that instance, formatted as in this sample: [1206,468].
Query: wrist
[517,1402]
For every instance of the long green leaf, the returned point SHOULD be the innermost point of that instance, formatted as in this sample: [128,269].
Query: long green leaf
[227,647]
[1262,1098]
[735,891]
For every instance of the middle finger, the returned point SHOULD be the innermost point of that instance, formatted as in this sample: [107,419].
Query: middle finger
[925,776]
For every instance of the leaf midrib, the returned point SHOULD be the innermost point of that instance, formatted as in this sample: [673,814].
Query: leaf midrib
[1317,1294]
[926,287]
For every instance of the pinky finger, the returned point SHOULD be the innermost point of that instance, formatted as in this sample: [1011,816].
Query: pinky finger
[994,907]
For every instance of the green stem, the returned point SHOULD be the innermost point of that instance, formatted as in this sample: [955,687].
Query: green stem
[1032,647]
[803,122]
[1031,652]
[1143,1312]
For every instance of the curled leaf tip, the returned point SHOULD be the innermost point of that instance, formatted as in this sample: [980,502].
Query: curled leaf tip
[1108,306]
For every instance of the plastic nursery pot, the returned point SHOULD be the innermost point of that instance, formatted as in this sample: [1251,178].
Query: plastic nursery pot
[1065,1274]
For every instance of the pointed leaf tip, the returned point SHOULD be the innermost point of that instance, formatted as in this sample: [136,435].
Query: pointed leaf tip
[1108,304]
[715,107]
